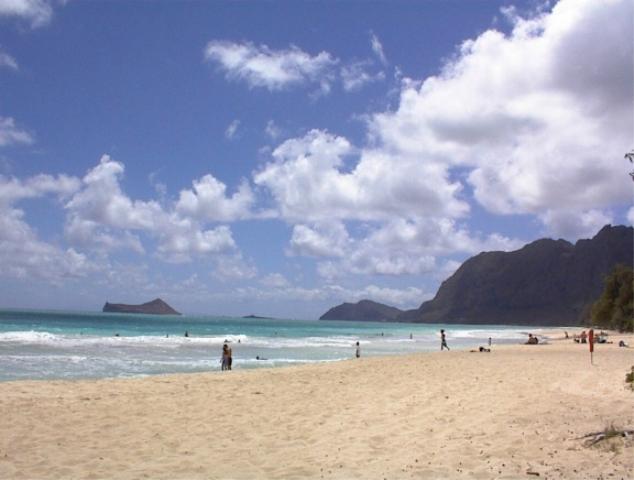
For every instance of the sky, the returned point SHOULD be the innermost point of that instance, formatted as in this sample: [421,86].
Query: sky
[281,157]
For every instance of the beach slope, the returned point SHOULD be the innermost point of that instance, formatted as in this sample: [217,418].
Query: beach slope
[455,414]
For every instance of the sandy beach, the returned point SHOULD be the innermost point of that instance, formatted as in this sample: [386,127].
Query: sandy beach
[516,412]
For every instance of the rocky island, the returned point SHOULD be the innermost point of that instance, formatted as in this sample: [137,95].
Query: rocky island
[155,307]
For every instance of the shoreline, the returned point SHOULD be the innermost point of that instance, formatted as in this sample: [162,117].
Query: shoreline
[445,414]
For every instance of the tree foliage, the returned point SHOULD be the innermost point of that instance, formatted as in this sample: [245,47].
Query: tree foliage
[613,310]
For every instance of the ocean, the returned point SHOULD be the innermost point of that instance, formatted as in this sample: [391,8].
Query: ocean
[37,345]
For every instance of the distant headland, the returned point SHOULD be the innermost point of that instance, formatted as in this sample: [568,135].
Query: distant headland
[547,282]
[155,307]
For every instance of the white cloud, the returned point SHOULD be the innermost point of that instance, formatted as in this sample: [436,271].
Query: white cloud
[261,66]
[573,225]
[94,236]
[355,75]
[309,182]
[11,134]
[181,239]
[37,12]
[272,130]
[377,48]
[24,256]
[233,267]
[13,189]
[101,213]
[208,201]
[409,247]
[232,130]
[7,61]
[102,200]
[328,240]
[274,280]
[539,119]
[404,298]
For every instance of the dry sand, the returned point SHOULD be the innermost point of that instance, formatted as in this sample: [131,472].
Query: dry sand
[453,414]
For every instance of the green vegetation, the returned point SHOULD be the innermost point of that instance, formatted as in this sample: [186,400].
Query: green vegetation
[614,309]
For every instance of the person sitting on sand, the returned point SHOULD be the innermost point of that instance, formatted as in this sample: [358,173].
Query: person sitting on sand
[623,344]
[532,339]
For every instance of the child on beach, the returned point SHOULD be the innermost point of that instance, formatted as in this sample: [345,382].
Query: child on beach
[443,341]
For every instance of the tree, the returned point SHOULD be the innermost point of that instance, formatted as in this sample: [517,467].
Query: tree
[630,156]
[614,309]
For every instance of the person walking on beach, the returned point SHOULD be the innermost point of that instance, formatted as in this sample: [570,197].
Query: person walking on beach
[443,341]
[229,358]
[357,353]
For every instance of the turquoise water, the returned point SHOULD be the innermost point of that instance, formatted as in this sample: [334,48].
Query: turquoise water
[56,345]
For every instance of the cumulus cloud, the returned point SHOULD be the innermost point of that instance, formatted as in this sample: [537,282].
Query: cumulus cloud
[261,66]
[7,61]
[13,190]
[396,247]
[538,118]
[11,134]
[101,213]
[575,224]
[208,201]
[328,240]
[308,181]
[22,254]
[37,12]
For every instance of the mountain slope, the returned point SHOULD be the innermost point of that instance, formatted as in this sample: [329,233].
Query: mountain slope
[365,310]
[547,282]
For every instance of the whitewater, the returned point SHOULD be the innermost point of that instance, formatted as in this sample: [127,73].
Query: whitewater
[37,345]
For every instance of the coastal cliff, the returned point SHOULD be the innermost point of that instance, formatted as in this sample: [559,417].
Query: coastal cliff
[155,307]
[547,282]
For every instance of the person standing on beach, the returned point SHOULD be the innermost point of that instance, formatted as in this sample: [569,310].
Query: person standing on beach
[229,358]
[443,341]
[224,360]
[357,353]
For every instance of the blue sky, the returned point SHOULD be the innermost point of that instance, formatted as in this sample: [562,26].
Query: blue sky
[279,158]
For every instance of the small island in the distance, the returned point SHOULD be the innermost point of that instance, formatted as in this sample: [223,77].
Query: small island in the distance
[155,307]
